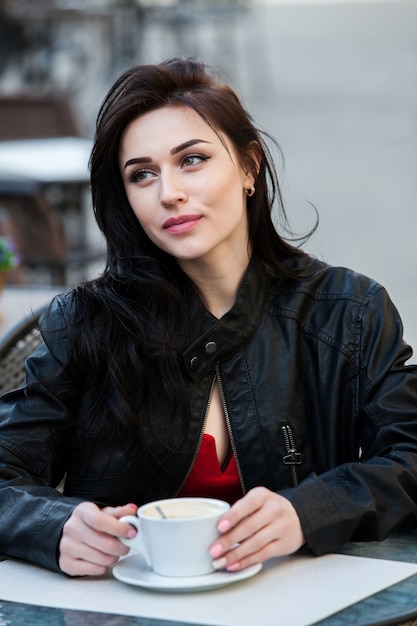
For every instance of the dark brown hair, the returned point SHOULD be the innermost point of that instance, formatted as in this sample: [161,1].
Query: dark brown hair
[190,83]
[134,318]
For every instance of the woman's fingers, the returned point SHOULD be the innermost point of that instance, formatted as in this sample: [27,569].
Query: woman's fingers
[260,525]
[78,559]
[90,540]
[120,511]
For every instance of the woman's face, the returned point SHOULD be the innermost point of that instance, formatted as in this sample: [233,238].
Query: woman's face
[185,185]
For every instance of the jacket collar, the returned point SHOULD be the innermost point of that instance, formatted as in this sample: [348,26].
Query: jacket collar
[223,336]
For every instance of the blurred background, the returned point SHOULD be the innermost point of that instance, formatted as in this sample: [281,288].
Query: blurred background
[335,82]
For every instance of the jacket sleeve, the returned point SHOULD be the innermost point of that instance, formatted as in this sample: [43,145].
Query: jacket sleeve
[35,427]
[368,499]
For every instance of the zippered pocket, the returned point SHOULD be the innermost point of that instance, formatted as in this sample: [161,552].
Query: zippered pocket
[292,458]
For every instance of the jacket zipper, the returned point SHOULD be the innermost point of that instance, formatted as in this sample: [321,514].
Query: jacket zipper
[200,439]
[229,429]
[293,457]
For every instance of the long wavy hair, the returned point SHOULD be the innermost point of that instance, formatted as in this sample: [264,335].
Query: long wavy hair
[134,318]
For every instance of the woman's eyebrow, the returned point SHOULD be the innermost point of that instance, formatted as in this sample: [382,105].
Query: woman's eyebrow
[137,160]
[185,145]
[173,151]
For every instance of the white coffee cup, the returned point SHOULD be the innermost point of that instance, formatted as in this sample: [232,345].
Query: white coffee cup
[174,535]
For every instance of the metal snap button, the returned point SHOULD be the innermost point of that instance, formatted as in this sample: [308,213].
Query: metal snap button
[211,347]
[194,362]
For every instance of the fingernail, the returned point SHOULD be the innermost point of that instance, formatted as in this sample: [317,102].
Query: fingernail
[233,567]
[132,533]
[134,506]
[224,525]
[216,550]
[219,563]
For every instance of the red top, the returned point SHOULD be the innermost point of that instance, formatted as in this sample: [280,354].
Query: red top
[207,479]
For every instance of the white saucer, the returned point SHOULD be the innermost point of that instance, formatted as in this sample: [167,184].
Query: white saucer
[134,571]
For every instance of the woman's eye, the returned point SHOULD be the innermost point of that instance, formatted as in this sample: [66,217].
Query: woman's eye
[193,159]
[139,176]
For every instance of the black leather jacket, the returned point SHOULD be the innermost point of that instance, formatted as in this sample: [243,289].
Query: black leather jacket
[320,406]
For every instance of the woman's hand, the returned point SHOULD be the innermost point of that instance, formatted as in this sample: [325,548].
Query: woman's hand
[263,523]
[90,539]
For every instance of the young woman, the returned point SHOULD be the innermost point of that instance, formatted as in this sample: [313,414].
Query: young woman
[211,357]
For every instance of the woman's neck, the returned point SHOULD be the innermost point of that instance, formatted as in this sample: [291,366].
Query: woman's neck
[217,285]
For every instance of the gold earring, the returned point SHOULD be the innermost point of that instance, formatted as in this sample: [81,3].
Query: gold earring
[250,191]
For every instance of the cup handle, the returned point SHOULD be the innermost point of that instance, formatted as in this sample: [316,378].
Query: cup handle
[137,542]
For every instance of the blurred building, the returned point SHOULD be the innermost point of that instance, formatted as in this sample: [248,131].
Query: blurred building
[79,46]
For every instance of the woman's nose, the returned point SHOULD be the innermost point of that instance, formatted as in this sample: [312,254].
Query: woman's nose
[172,189]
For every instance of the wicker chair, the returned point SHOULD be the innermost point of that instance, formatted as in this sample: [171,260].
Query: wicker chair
[15,346]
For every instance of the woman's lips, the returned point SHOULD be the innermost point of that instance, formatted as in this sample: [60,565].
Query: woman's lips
[181,224]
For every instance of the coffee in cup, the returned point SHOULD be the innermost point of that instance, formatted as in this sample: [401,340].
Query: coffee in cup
[182,508]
